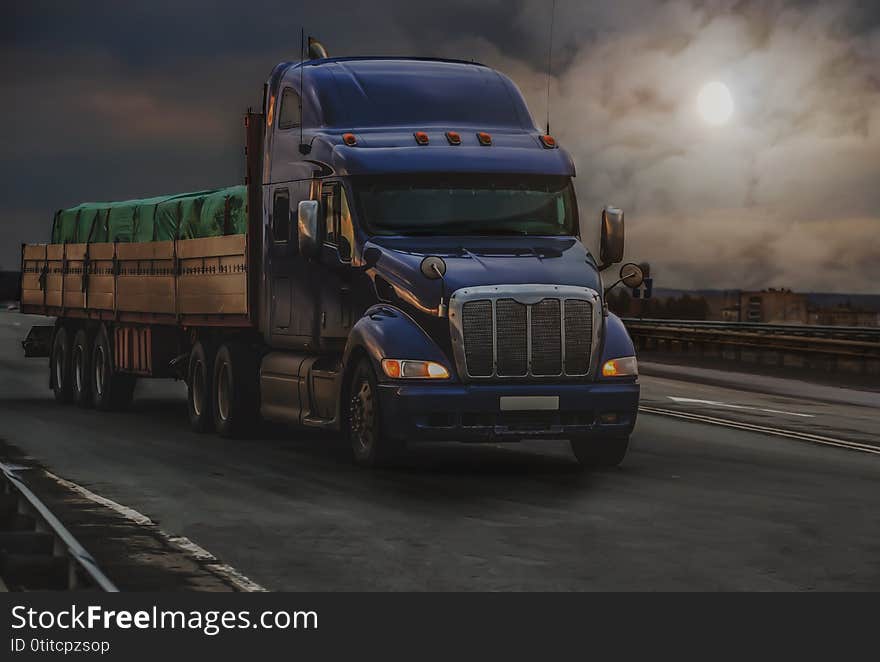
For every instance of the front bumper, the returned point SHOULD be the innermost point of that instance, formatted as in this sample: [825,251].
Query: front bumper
[472,412]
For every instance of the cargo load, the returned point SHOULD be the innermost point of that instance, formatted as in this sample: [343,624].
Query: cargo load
[212,213]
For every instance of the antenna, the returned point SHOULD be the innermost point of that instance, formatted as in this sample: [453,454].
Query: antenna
[549,63]
[302,37]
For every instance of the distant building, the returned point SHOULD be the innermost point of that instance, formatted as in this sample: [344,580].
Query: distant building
[770,306]
[844,315]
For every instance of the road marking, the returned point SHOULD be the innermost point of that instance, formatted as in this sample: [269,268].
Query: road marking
[790,434]
[195,551]
[716,403]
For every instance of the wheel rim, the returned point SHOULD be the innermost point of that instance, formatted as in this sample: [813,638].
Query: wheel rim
[198,387]
[362,415]
[78,368]
[99,370]
[223,392]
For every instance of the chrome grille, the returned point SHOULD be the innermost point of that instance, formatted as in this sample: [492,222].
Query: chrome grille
[519,331]
[578,335]
[477,327]
[511,318]
[546,338]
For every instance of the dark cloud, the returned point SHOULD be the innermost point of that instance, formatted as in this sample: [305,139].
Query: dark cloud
[107,100]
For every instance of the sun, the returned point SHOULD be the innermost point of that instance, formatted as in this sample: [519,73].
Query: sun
[715,103]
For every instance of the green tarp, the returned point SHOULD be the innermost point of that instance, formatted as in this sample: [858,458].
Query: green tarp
[186,216]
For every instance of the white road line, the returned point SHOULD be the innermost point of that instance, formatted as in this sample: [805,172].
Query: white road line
[195,551]
[716,403]
[790,434]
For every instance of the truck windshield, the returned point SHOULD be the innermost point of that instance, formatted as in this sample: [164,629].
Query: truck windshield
[467,205]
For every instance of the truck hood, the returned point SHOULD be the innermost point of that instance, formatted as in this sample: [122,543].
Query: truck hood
[475,261]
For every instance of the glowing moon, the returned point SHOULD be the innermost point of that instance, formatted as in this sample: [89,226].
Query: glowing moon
[715,103]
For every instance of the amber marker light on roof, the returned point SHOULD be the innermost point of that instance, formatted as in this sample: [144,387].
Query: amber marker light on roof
[349,139]
[484,138]
[421,137]
[548,141]
[453,137]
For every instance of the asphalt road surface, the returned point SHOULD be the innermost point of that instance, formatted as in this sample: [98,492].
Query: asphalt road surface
[695,506]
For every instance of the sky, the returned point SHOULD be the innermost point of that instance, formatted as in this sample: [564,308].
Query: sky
[105,100]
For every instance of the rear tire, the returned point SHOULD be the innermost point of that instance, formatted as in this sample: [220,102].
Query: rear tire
[199,372]
[59,366]
[235,390]
[111,390]
[81,365]
[369,446]
[596,452]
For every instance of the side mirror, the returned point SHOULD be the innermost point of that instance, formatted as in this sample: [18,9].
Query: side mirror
[611,244]
[632,275]
[343,249]
[371,257]
[308,223]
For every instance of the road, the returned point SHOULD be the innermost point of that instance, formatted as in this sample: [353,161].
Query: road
[695,506]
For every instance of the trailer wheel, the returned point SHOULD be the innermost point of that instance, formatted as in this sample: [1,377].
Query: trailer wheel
[235,390]
[596,452]
[59,366]
[111,390]
[81,365]
[198,389]
[370,447]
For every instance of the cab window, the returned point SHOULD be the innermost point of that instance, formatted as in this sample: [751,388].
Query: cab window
[290,115]
[339,231]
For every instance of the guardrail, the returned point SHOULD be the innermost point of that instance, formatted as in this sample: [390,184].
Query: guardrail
[822,347]
[37,552]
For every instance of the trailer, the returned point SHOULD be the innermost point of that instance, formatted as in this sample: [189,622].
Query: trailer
[405,265]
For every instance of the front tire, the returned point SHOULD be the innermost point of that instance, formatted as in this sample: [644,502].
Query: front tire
[370,447]
[235,390]
[597,452]
[81,364]
[60,366]
[200,370]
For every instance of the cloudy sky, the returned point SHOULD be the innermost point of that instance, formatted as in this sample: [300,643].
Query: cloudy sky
[108,100]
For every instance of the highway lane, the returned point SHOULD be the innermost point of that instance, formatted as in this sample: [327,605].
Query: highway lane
[693,507]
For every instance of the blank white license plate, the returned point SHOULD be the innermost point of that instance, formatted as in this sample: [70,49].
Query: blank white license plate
[529,402]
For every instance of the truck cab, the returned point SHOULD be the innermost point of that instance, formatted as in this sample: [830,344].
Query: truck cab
[423,274]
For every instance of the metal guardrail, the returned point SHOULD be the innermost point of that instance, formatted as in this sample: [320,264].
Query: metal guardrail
[37,549]
[824,342]
[842,332]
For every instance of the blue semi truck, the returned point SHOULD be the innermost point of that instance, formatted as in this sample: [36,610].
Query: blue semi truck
[410,268]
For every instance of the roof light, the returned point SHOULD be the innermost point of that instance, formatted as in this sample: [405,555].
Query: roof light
[453,137]
[548,141]
[349,139]
[484,138]
[421,137]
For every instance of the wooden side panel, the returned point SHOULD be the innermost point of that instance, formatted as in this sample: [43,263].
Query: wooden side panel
[33,261]
[213,276]
[54,278]
[205,279]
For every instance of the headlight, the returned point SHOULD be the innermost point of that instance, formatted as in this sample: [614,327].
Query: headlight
[623,367]
[407,369]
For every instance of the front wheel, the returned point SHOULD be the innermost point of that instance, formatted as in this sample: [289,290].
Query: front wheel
[597,452]
[370,447]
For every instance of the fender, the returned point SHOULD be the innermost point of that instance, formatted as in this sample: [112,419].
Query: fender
[617,341]
[386,331]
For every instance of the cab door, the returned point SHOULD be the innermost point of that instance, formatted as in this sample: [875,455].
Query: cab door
[293,301]
[336,303]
